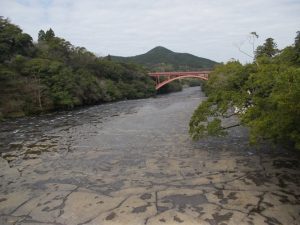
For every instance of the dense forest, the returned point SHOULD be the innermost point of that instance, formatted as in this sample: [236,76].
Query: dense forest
[264,95]
[53,74]
[163,59]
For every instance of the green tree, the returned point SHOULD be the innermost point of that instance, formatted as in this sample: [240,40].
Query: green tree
[297,41]
[49,35]
[38,70]
[108,57]
[41,35]
[297,47]
[269,49]
[13,41]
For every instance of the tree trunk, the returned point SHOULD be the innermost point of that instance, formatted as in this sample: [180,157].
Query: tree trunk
[38,91]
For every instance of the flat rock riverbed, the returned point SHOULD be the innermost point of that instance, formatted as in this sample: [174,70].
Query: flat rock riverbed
[133,162]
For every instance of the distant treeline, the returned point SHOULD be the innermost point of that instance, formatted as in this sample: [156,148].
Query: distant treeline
[53,74]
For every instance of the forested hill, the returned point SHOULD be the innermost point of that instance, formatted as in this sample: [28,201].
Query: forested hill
[160,58]
[53,74]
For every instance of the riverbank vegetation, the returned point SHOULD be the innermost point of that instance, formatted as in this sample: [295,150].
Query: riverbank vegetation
[264,95]
[52,74]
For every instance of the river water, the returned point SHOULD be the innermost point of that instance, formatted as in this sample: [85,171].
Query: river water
[133,162]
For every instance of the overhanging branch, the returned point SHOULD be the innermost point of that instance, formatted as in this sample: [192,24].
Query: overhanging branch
[235,125]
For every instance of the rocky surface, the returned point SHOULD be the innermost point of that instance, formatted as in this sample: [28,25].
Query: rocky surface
[133,163]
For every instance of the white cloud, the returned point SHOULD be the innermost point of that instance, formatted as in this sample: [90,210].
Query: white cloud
[129,27]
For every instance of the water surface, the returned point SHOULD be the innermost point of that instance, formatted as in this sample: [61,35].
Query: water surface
[132,162]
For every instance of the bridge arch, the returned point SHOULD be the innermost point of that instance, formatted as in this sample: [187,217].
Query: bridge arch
[171,76]
[163,83]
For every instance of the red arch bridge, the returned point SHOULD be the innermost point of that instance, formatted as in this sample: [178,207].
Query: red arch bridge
[163,78]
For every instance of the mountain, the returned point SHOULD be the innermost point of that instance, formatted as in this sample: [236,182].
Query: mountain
[162,58]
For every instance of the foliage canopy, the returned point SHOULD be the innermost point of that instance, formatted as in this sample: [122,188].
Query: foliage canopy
[264,95]
[53,74]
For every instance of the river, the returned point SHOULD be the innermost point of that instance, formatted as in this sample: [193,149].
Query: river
[132,162]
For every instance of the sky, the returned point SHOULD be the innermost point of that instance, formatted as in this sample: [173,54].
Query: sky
[213,29]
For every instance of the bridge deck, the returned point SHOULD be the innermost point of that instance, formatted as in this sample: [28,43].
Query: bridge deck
[154,74]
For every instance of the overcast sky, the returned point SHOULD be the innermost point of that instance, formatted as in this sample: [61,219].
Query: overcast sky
[207,28]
